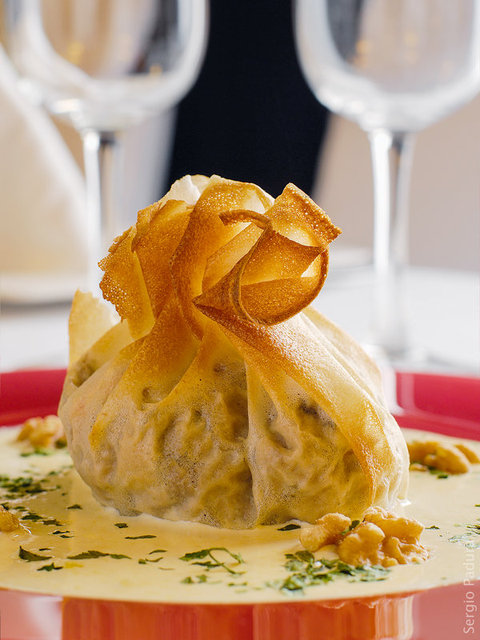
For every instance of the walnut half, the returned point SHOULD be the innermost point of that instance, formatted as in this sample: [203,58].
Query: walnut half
[433,454]
[382,538]
[43,432]
[327,530]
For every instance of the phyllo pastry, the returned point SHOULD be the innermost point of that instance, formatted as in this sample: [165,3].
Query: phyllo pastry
[219,395]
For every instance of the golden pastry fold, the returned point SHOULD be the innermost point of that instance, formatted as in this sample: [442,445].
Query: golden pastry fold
[220,396]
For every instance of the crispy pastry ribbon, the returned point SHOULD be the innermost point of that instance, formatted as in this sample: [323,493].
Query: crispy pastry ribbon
[234,249]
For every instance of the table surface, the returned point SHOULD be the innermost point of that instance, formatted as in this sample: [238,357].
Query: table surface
[442,306]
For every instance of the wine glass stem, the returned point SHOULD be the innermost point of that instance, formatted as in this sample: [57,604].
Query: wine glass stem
[391,159]
[102,151]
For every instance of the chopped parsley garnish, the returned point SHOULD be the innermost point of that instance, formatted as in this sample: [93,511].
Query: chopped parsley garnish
[21,486]
[468,539]
[92,554]
[75,506]
[30,556]
[306,571]
[289,527]
[196,580]
[34,517]
[49,567]
[121,525]
[144,537]
[474,528]
[205,558]
[149,560]
[352,526]
[62,534]
[88,555]
[433,526]
[38,451]
[441,475]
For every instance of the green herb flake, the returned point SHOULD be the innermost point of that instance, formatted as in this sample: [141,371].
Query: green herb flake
[34,517]
[30,556]
[156,551]
[144,537]
[49,567]
[75,506]
[205,558]
[121,525]
[441,475]
[306,571]
[60,533]
[88,555]
[433,526]
[38,451]
[289,527]
[92,554]
[469,539]
[201,579]
[21,486]
[352,526]
[150,560]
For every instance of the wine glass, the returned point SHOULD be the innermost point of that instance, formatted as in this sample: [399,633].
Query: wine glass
[104,67]
[394,67]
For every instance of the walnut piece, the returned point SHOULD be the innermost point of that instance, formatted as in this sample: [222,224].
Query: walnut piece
[432,454]
[362,545]
[326,530]
[406,529]
[382,538]
[403,552]
[8,521]
[471,455]
[43,432]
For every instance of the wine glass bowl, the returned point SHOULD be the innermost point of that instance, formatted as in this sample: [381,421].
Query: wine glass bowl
[105,67]
[394,67]
[398,65]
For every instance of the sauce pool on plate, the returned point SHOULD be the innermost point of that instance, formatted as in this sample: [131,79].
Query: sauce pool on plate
[70,545]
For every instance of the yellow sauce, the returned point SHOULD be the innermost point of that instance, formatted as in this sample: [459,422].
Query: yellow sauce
[154,570]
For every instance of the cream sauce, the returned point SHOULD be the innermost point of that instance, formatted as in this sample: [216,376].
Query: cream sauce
[154,570]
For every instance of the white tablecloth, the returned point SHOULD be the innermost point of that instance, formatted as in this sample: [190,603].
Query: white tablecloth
[444,318]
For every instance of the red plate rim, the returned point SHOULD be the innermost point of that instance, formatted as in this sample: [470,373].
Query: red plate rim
[440,403]
[437,403]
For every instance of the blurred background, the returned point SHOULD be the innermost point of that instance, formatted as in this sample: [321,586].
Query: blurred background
[249,116]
